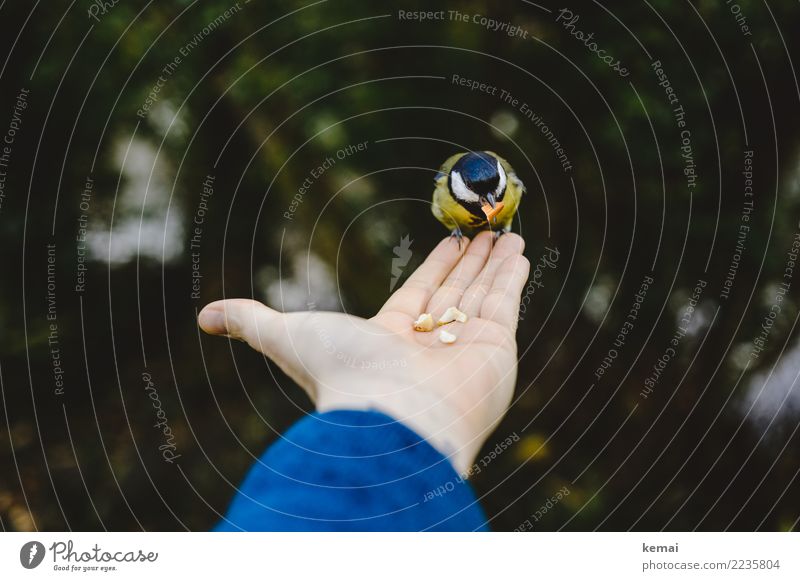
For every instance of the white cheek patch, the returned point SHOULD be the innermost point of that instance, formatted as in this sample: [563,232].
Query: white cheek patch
[460,189]
[501,185]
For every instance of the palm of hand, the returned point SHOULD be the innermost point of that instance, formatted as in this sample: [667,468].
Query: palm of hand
[454,394]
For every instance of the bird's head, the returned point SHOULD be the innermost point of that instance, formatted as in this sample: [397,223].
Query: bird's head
[477,179]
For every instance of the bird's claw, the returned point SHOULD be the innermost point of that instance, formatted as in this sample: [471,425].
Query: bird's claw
[458,236]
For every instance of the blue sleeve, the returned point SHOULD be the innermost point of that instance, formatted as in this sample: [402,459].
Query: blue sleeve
[353,471]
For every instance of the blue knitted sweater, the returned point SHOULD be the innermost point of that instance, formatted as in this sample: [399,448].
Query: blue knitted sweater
[353,471]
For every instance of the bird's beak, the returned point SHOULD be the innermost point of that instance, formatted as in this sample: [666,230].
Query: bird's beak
[488,199]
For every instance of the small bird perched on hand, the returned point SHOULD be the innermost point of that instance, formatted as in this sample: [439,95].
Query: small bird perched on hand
[476,191]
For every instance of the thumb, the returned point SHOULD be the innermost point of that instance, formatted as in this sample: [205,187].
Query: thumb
[264,329]
[236,318]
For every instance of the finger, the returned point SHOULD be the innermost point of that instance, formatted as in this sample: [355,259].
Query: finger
[452,289]
[414,295]
[507,245]
[501,305]
[264,329]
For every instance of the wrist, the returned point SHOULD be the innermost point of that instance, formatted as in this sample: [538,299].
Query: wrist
[437,421]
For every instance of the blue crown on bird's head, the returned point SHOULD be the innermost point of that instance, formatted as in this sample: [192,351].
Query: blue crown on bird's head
[477,167]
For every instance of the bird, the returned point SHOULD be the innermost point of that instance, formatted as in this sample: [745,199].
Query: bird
[476,190]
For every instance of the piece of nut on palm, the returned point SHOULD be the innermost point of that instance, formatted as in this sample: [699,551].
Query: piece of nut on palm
[446,337]
[450,315]
[424,323]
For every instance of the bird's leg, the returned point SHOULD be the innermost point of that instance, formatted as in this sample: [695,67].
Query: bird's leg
[498,233]
[458,235]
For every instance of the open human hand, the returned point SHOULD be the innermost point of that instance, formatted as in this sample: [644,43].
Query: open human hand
[453,395]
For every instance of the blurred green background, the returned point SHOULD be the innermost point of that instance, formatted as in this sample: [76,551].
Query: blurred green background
[146,100]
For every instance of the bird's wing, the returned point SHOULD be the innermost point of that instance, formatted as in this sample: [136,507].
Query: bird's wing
[441,196]
[441,201]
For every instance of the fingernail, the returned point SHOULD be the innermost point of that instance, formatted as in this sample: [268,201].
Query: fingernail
[212,321]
